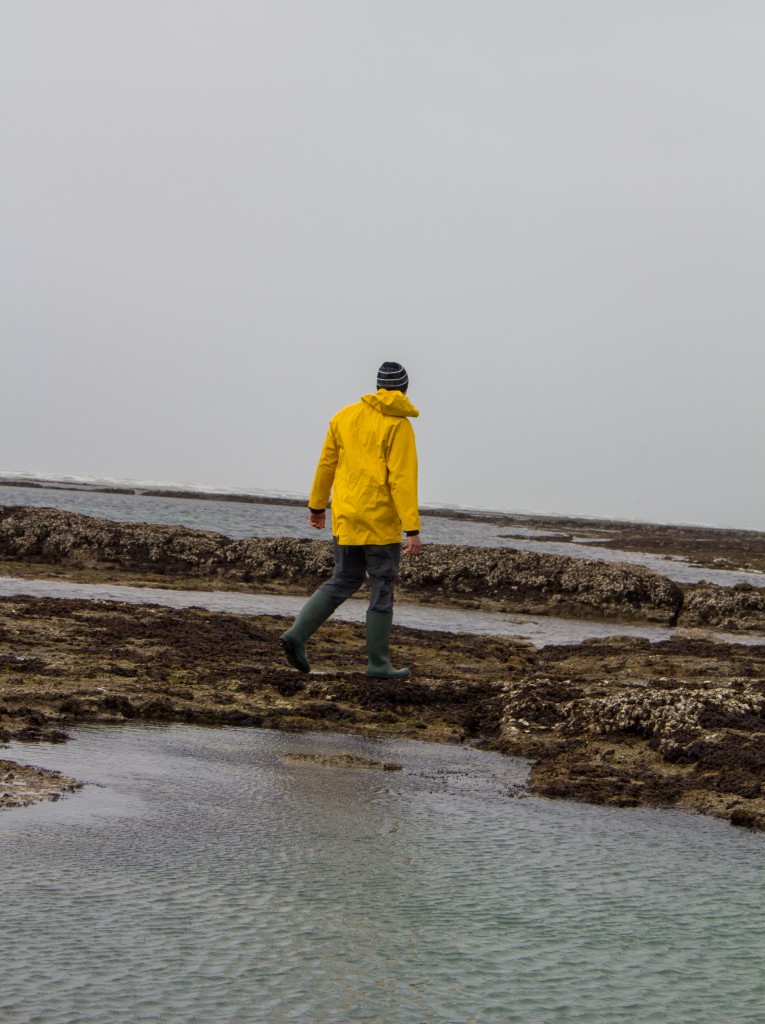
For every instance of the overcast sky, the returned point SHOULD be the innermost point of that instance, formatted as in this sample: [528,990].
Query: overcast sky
[217,217]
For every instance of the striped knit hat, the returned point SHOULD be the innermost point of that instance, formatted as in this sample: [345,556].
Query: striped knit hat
[392,377]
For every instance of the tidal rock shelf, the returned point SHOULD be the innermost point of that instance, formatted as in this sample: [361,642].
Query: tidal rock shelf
[610,722]
[615,721]
[36,540]
[618,721]
[515,581]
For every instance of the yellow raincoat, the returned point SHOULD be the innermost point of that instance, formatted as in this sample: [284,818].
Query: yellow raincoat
[369,465]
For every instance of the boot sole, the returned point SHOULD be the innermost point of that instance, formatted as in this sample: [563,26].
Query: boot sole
[293,657]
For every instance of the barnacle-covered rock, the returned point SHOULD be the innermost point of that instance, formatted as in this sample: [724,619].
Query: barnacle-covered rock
[548,584]
[522,581]
[649,741]
[672,719]
[731,608]
[56,537]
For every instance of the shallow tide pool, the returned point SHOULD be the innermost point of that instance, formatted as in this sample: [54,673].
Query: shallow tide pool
[539,630]
[200,876]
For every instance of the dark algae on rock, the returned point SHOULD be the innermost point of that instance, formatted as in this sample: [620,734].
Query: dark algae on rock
[104,662]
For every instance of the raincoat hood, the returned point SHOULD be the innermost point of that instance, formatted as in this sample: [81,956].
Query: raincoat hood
[391,403]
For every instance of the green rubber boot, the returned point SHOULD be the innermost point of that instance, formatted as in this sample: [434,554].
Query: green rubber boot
[316,610]
[379,625]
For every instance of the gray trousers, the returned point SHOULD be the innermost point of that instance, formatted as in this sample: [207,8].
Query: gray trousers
[353,561]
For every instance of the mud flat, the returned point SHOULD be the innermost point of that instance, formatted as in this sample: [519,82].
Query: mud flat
[616,721]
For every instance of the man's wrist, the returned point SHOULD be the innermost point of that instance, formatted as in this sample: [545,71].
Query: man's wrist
[412,533]
[316,511]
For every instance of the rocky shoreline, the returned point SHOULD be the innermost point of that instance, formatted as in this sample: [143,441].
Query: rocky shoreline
[39,540]
[617,721]
[620,721]
[712,546]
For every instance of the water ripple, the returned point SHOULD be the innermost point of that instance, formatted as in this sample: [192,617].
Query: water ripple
[206,879]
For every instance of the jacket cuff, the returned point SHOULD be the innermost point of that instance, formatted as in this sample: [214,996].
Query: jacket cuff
[316,511]
[412,533]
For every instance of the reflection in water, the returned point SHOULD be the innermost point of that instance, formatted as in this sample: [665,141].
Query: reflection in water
[202,878]
[538,629]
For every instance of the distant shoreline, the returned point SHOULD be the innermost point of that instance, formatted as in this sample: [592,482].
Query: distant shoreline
[712,547]
[545,520]
[152,492]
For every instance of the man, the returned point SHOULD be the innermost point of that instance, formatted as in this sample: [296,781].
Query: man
[369,465]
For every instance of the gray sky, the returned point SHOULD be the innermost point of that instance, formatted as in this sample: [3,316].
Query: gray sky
[217,218]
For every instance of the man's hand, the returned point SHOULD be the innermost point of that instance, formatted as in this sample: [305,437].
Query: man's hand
[413,545]
[317,519]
